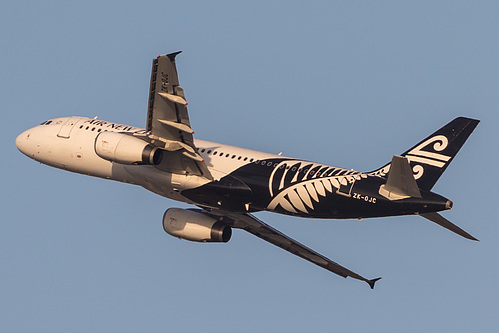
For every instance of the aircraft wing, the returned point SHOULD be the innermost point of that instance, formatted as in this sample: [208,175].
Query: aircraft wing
[168,123]
[262,230]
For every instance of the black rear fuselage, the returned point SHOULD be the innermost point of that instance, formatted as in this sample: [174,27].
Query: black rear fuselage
[306,189]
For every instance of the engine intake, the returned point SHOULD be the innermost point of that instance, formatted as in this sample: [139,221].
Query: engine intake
[126,149]
[194,226]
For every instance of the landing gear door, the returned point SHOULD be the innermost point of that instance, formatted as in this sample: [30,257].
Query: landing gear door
[66,128]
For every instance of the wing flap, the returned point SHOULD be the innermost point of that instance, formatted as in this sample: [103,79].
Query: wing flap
[179,126]
[174,98]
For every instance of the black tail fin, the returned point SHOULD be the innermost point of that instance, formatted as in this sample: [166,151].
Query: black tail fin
[430,157]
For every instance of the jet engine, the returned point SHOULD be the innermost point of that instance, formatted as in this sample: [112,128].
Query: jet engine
[126,149]
[195,226]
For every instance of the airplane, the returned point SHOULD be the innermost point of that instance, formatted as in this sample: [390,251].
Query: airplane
[228,184]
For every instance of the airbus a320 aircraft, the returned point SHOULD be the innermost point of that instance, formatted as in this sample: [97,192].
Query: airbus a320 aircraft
[228,183]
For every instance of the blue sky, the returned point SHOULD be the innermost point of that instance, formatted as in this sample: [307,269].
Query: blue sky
[344,83]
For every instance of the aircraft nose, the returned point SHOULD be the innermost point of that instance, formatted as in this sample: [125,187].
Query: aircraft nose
[23,143]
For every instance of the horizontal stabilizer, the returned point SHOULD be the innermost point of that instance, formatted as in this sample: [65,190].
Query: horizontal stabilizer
[400,183]
[442,221]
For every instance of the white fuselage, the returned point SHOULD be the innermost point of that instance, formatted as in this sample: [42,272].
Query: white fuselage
[68,143]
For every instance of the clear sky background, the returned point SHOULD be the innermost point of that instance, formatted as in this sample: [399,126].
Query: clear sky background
[348,83]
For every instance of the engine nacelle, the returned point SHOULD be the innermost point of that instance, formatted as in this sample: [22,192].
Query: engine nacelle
[195,226]
[126,149]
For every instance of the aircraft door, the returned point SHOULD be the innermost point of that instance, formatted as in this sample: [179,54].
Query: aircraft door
[66,128]
[346,186]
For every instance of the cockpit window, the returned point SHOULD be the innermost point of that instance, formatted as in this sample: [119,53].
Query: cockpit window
[48,122]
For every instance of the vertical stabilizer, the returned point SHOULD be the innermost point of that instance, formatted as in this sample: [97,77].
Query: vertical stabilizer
[431,157]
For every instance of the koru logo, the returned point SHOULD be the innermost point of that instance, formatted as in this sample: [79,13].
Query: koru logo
[421,156]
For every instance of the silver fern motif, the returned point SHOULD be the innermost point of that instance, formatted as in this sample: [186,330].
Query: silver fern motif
[297,185]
